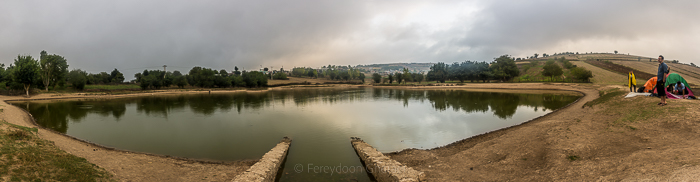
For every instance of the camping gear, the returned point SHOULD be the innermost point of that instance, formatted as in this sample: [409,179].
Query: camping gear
[649,86]
[674,78]
[632,94]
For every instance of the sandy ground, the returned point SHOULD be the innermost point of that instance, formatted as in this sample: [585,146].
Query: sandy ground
[539,150]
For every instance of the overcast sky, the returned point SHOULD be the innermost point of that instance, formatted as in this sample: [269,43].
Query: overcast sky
[136,35]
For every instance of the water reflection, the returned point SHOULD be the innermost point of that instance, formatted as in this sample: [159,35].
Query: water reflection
[55,115]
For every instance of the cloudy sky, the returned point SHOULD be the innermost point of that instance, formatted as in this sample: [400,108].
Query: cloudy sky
[133,35]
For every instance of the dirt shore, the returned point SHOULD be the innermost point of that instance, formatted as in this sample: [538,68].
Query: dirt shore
[571,144]
[575,144]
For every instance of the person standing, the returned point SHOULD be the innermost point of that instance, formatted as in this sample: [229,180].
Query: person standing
[661,80]
[632,82]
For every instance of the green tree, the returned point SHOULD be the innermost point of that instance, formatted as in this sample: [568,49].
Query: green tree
[581,74]
[345,75]
[254,79]
[179,80]
[333,74]
[235,71]
[280,76]
[398,77]
[201,77]
[417,77]
[551,70]
[377,78]
[483,72]
[406,76]
[312,73]
[391,78]
[362,77]
[116,76]
[299,72]
[536,55]
[615,51]
[223,73]
[459,71]
[237,81]
[438,72]
[53,69]
[25,71]
[221,82]
[504,68]
[78,79]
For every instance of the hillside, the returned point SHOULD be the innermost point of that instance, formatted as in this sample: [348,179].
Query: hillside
[414,67]
[622,63]
[690,73]
[532,71]
[601,76]
[598,56]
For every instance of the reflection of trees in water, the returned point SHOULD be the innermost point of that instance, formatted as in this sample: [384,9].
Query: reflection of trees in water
[157,106]
[503,105]
[55,115]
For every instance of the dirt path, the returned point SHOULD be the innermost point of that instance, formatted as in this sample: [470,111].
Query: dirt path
[572,144]
[128,166]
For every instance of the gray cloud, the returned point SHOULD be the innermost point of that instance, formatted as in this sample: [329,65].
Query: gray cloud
[543,25]
[136,35]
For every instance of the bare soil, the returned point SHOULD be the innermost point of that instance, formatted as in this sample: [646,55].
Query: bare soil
[621,140]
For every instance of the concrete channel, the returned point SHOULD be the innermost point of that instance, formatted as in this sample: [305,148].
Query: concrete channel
[383,168]
[267,168]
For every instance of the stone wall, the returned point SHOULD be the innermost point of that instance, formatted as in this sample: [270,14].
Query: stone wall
[266,169]
[383,168]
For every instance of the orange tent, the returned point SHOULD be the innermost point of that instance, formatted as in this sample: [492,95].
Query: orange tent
[650,85]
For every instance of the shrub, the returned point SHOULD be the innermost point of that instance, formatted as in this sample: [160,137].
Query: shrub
[78,79]
[581,74]
[551,69]
[280,76]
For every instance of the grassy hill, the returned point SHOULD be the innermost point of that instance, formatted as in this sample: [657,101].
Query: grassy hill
[416,67]
[690,73]
[610,68]
[597,56]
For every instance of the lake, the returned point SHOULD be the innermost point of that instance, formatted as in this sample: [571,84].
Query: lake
[245,125]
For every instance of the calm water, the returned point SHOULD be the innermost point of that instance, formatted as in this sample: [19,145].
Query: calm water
[236,126]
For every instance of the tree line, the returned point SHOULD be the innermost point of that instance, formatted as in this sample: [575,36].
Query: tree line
[403,76]
[201,77]
[331,72]
[502,68]
[27,72]
[51,70]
